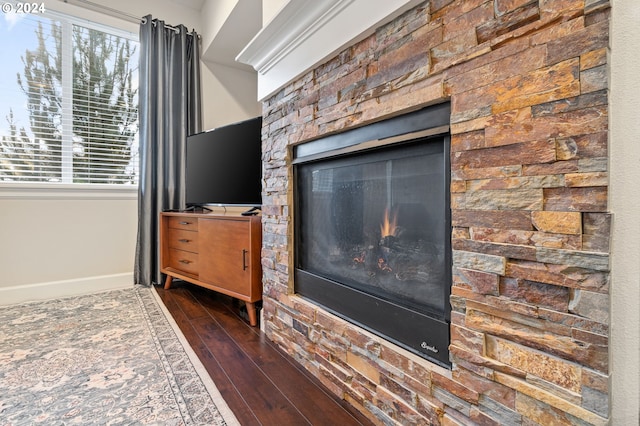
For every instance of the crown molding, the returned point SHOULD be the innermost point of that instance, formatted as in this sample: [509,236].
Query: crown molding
[306,33]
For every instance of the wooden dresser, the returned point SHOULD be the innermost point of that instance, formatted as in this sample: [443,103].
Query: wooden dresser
[218,251]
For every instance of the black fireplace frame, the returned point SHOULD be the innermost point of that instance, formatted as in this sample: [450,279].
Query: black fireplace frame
[425,334]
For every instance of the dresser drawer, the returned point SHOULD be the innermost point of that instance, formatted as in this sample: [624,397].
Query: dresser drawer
[183,240]
[183,261]
[186,223]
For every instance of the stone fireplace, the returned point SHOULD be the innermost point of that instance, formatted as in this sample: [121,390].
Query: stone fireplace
[528,309]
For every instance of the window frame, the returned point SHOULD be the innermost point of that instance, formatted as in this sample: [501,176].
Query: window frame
[68,190]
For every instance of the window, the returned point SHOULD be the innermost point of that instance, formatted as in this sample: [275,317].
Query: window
[69,104]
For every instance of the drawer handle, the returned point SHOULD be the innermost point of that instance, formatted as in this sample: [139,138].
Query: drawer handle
[184,240]
[185,223]
[186,262]
[244,260]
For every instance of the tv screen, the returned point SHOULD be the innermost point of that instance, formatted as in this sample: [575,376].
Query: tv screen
[224,165]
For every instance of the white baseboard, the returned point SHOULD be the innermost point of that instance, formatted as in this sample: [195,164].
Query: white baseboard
[66,288]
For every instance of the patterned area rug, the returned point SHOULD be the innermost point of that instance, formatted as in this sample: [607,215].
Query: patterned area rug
[113,358]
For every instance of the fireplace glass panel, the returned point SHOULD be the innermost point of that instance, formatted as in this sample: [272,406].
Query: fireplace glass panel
[377,222]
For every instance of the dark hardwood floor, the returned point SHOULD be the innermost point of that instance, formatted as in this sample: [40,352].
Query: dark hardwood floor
[259,382]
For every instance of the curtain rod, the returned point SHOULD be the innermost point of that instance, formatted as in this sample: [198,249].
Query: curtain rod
[171,27]
[104,9]
[115,13]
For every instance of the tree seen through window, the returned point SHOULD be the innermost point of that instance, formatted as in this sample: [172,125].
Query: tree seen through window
[74,118]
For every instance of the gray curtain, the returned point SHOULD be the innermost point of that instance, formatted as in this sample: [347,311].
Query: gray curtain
[169,110]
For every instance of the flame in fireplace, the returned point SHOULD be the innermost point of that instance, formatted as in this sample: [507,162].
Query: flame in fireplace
[389,226]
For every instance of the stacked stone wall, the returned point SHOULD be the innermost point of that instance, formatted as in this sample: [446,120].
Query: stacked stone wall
[527,82]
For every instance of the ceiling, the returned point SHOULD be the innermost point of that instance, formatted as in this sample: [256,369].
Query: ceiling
[244,22]
[193,4]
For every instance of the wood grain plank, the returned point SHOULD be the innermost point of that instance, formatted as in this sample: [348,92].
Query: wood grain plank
[261,384]
[230,393]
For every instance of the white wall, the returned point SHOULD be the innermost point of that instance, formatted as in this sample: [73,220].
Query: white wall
[52,247]
[230,88]
[214,13]
[236,91]
[624,198]
[54,244]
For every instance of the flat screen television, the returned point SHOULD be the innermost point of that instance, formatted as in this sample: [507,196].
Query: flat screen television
[224,166]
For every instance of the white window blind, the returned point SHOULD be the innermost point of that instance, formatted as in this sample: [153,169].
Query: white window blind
[69,105]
